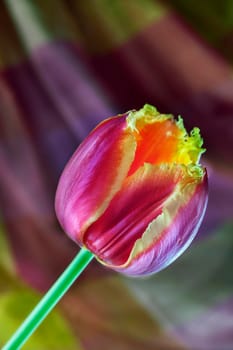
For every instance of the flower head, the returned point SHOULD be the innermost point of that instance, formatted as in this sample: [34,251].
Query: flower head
[134,192]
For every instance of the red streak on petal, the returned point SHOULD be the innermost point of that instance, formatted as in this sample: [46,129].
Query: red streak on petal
[139,201]
[175,239]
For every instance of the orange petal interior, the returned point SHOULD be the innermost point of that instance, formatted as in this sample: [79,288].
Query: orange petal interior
[156,143]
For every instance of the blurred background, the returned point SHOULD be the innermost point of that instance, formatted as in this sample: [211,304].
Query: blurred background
[65,65]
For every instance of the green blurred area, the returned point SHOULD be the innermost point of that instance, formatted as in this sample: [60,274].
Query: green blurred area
[16,302]
[213,19]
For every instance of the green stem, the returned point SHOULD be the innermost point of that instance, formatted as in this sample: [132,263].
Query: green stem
[50,299]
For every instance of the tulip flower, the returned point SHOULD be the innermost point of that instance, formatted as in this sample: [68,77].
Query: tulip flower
[134,193]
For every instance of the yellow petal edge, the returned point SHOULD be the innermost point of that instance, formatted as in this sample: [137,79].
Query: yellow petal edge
[189,146]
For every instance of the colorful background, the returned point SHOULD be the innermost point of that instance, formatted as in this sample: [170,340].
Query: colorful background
[65,65]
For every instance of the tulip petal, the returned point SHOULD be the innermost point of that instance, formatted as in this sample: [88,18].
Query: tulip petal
[127,228]
[93,176]
[171,233]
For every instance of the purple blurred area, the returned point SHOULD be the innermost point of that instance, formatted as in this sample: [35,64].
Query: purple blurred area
[64,67]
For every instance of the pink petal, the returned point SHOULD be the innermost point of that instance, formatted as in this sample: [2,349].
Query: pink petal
[140,201]
[175,232]
[93,176]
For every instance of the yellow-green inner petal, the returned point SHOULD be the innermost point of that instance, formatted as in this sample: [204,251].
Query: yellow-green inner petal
[162,139]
